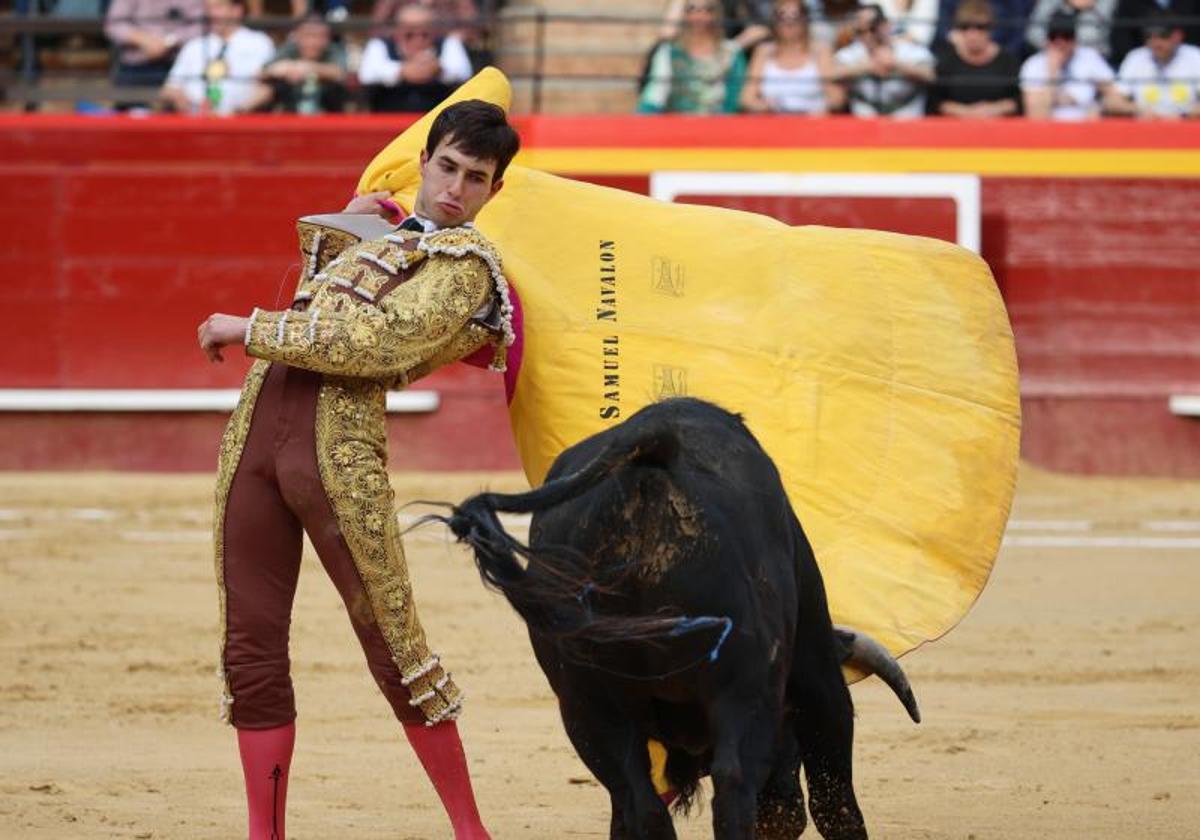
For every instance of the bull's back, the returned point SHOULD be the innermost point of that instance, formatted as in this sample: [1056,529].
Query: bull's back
[696,520]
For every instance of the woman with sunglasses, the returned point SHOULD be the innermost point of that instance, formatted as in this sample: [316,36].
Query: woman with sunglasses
[697,72]
[787,73]
[976,79]
[1094,20]
[743,21]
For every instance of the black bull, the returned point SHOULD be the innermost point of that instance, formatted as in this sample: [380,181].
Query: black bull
[671,593]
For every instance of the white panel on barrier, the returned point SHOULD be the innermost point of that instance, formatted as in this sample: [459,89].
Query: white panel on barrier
[179,399]
[962,189]
[1185,405]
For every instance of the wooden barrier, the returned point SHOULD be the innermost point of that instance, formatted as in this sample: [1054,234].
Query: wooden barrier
[121,234]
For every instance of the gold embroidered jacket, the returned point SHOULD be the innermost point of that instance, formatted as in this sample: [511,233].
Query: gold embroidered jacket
[372,315]
[391,309]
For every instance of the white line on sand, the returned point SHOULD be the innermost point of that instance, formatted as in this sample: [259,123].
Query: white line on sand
[1171,525]
[92,513]
[1154,534]
[1060,541]
[182,535]
[1050,524]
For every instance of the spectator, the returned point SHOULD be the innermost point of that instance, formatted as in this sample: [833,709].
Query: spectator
[833,21]
[915,20]
[1065,81]
[699,71]
[788,73]
[1008,28]
[335,11]
[148,35]
[1128,26]
[975,78]
[884,76]
[459,18]
[1160,80]
[742,21]
[308,74]
[413,70]
[1093,22]
[218,72]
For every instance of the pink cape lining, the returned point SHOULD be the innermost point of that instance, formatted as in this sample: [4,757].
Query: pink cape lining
[484,355]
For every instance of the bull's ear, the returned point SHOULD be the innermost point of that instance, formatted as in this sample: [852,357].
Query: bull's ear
[844,639]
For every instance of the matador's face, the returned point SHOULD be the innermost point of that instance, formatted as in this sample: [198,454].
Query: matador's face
[454,185]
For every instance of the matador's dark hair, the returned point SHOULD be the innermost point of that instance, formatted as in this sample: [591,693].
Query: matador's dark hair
[479,129]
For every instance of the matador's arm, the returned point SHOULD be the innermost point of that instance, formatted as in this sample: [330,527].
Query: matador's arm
[377,340]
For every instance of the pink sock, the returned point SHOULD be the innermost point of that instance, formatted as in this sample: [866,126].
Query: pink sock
[441,753]
[266,757]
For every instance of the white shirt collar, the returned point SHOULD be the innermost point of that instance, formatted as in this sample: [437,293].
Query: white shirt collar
[430,226]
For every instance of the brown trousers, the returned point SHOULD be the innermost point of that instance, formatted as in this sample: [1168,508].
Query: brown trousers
[277,496]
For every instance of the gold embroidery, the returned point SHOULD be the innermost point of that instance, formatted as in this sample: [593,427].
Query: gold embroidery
[460,242]
[330,245]
[384,339]
[465,342]
[351,455]
[232,441]
[363,347]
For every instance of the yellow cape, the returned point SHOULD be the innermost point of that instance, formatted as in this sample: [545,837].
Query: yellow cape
[877,369]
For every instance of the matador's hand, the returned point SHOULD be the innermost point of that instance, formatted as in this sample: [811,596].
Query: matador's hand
[376,202]
[217,330]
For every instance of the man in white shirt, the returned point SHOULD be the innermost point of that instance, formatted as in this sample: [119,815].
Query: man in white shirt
[413,70]
[219,72]
[148,35]
[1066,81]
[1162,79]
[884,76]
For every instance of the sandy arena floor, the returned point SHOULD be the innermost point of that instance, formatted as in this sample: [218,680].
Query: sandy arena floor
[1067,705]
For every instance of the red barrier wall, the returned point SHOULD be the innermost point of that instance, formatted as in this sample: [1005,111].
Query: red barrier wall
[119,236]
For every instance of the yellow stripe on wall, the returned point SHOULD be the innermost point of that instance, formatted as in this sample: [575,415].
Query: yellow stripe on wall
[1175,163]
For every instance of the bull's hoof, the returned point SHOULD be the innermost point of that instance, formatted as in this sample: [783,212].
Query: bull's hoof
[779,821]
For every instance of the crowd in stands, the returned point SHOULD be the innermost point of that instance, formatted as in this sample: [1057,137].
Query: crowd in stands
[201,57]
[1051,59]
[1056,59]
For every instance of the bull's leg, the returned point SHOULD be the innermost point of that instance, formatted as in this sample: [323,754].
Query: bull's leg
[614,749]
[781,813]
[825,732]
[746,735]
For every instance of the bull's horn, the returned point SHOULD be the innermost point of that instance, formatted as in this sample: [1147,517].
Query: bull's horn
[870,657]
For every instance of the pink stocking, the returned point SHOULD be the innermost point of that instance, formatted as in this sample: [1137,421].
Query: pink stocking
[266,757]
[441,753]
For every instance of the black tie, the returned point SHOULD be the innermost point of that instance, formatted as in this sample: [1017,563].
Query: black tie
[412,223]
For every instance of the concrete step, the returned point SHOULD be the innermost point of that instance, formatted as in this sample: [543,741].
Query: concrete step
[576,96]
[518,29]
[83,59]
[590,59]
[628,8]
[556,63]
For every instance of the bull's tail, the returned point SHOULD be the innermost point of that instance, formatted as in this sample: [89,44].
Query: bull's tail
[559,601]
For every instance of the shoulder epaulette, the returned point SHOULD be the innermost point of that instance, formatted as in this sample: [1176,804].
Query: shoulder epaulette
[460,241]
